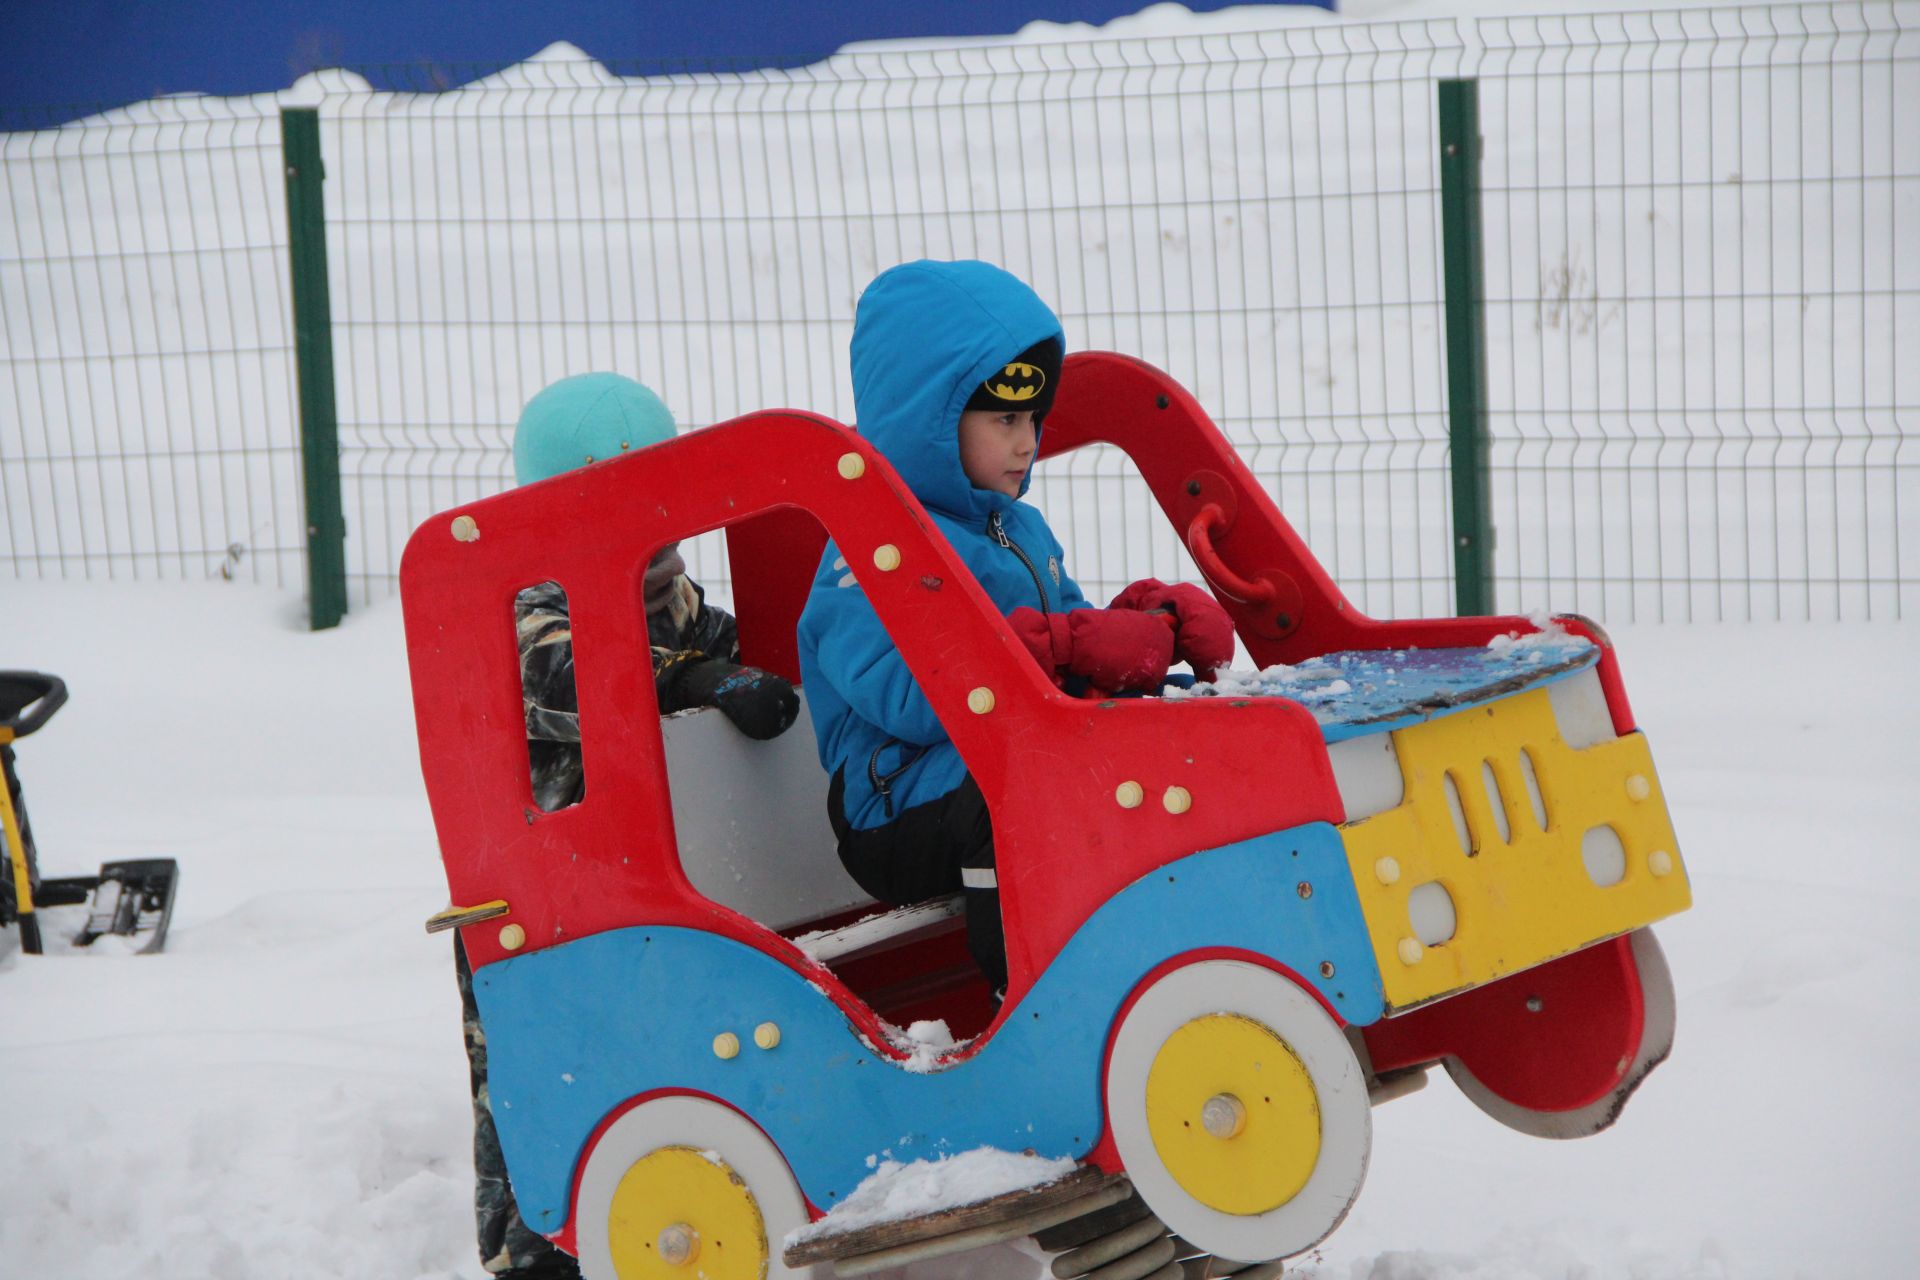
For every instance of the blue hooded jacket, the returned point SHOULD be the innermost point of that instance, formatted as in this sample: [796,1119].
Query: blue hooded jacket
[925,336]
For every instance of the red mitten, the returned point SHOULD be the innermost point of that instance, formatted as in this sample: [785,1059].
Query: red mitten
[1118,649]
[1203,633]
[1114,649]
[1035,630]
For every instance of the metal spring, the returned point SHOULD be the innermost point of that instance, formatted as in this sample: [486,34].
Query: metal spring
[1126,1241]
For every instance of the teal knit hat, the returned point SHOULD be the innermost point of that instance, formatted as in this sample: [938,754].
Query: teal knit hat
[586,418]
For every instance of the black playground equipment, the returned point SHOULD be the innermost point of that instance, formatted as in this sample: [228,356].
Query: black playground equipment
[133,899]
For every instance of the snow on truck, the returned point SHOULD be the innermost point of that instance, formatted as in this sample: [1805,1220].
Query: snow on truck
[1234,922]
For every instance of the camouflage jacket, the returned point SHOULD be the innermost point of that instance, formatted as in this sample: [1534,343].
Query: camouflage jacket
[685,631]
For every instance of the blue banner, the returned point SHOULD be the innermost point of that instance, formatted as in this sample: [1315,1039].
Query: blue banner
[67,60]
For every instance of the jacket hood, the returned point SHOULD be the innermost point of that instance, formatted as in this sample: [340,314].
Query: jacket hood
[925,336]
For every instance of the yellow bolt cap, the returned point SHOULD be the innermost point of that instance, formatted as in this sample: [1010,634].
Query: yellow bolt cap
[886,557]
[1411,951]
[1387,870]
[852,466]
[1177,800]
[980,701]
[465,529]
[1638,788]
[1129,794]
[679,1244]
[726,1045]
[1660,862]
[513,937]
[766,1035]
[1224,1116]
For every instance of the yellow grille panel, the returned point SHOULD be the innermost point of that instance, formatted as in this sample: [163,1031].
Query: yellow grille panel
[1527,897]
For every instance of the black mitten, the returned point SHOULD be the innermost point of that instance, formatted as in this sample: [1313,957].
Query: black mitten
[760,704]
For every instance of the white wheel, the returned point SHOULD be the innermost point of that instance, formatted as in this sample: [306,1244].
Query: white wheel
[1656,1042]
[1239,1110]
[682,1187]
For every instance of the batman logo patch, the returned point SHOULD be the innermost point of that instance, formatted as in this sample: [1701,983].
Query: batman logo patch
[1017,383]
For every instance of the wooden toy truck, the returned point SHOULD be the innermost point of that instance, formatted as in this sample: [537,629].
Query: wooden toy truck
[1232,923]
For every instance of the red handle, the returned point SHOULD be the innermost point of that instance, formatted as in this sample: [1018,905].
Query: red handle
[1229,583]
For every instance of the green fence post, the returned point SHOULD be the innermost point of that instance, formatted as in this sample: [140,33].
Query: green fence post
[1466,346]
[313,358]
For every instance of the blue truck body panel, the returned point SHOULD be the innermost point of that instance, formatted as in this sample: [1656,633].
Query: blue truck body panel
[577,1030]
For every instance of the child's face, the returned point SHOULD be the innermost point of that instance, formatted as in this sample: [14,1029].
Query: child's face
[996,448]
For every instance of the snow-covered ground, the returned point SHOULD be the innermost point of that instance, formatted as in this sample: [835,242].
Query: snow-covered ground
[282,1093]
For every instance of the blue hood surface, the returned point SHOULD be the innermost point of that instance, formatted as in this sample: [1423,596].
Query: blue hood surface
[925,336]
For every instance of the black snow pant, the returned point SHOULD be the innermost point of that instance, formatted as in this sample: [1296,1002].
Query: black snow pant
[508,1247]
[930,850]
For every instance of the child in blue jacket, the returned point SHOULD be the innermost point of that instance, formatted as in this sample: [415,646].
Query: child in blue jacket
[955,365]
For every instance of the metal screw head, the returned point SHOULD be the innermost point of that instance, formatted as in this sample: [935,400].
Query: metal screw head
[1326,968]
[1223,1116]
[1535,1004]
[678,1244]
[1193,488]
[1161,402]
[1304,889]
[1284,621]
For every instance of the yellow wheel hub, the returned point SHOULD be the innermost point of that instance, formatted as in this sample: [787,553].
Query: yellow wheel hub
[680,1215]
[1233,1114]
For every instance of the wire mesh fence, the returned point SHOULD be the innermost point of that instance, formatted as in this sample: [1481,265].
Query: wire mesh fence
[1235,208]
[146,408]
[1695,296]
[1700,315]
